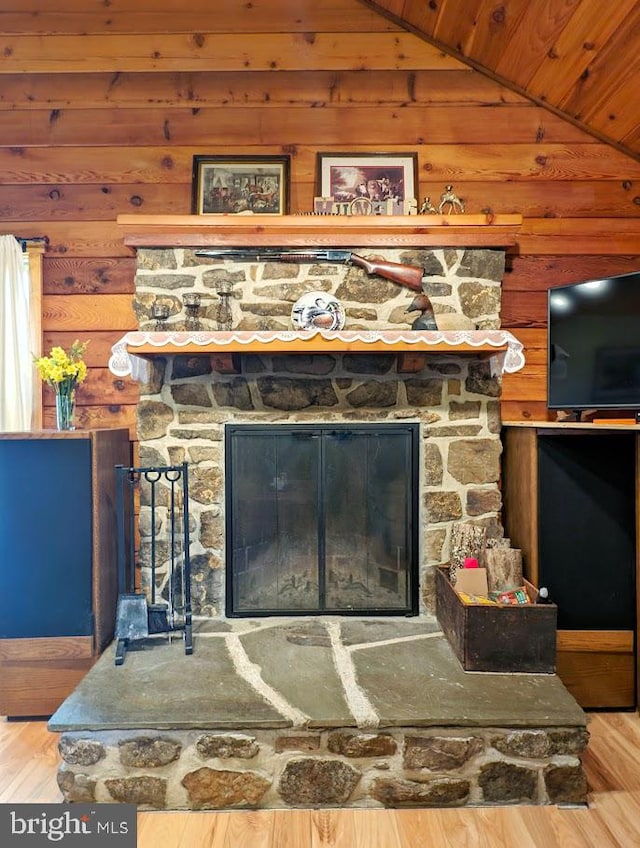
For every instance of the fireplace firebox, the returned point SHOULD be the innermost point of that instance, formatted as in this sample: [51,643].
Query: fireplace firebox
[321,519]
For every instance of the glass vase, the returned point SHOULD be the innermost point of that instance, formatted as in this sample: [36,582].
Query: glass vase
[65,411]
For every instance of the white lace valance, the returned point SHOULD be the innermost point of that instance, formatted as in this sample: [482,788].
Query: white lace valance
[124,362]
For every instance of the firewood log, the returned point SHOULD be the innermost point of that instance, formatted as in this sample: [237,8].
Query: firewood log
[504,568]
[467,540]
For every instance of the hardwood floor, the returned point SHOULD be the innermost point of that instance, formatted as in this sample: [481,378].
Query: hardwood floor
[29,760]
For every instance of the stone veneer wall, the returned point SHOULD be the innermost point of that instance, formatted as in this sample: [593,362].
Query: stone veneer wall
[434,767]
[185,405]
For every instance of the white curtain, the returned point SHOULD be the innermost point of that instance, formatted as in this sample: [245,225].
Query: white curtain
[16,361]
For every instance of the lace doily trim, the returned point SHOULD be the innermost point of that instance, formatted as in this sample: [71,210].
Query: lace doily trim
[124,363]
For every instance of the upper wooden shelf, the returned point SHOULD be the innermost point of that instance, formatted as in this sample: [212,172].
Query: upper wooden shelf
[406,231]
[134,346]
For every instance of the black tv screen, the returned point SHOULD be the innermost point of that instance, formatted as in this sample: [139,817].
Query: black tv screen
[594,344]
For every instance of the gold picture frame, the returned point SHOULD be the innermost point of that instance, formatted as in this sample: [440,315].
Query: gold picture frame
[376,177]
[233,185]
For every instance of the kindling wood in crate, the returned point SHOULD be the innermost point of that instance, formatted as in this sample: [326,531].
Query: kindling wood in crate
[503,563]
[504,568]
[467,540]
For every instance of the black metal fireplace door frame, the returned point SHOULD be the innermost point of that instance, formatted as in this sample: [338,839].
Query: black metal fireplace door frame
[409,607]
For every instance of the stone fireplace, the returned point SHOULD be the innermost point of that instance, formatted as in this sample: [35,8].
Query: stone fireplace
[188,401]
[335,708]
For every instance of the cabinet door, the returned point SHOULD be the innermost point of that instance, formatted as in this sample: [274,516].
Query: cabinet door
[586,508]
[45,538]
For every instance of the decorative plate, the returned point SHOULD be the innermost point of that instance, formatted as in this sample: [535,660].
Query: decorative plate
[317,310]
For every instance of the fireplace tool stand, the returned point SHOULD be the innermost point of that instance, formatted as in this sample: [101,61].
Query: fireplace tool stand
[165,607]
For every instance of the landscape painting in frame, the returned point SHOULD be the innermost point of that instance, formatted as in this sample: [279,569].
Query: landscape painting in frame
[347,177]
[234,185]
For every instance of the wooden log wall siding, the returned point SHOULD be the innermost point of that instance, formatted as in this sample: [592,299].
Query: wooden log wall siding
[103,108]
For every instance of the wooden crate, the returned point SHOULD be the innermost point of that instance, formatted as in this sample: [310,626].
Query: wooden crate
[497,638]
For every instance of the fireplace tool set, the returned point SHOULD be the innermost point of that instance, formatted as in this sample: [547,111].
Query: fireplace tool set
[166,605]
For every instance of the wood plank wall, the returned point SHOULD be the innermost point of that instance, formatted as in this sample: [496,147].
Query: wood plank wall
[102,108]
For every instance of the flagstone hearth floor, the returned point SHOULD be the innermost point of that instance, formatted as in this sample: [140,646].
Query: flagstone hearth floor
[316,712]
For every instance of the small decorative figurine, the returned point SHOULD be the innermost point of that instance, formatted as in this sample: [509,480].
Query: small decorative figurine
[427,207]
[450,200]
[426,320]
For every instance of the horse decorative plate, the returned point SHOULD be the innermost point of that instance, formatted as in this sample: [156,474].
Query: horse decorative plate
[317,310]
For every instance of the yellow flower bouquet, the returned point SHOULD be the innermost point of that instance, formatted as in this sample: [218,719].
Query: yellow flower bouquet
[64,371]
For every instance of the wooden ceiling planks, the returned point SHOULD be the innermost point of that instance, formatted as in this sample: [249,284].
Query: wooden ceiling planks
[537,31]
[572,55]
[422,15]
[459,25]
[603,97]
[588,31]
[492,29]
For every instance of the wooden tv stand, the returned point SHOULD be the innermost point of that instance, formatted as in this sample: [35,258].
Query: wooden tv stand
[571,496]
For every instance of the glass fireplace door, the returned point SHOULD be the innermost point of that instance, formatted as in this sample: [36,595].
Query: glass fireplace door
[321,519]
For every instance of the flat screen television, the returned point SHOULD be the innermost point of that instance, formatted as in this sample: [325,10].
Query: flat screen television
[594,344]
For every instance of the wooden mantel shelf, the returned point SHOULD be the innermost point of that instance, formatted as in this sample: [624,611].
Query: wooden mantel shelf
[406,231]
[129,353]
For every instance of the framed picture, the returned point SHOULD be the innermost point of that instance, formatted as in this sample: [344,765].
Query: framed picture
[240,184]
[373,177]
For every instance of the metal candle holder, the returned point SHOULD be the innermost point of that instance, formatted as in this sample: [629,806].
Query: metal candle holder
[224,315]
[191,302]
[160,311]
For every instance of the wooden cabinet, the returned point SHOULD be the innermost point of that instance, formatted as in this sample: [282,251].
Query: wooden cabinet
[571,504]
[58,572]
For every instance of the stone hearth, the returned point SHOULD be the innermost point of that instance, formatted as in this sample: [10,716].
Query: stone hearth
[327,711]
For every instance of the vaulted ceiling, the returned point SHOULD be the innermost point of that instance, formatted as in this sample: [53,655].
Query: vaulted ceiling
[579,58]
